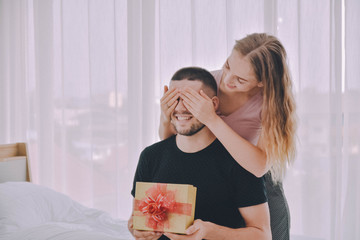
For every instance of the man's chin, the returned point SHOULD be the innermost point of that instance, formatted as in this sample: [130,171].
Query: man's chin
[190,132]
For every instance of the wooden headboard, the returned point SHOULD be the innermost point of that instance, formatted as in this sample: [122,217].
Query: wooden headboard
[14,162]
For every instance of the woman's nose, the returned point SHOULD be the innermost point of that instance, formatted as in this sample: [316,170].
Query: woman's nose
[228,78]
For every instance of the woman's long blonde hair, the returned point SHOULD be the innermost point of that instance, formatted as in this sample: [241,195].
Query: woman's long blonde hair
[268,58]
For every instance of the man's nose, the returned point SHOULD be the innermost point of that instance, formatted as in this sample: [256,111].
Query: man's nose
[180,105]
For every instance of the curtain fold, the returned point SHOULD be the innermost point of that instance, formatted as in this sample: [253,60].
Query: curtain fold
[351,131]
[81,82]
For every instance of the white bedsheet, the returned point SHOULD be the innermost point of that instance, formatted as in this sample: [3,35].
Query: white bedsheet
[32,212]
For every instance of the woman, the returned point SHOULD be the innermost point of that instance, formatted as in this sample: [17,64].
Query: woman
[255,120]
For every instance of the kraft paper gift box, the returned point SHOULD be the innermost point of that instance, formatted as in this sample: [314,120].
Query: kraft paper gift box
[164,207]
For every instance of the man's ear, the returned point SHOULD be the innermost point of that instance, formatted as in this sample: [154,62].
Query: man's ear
[215,101]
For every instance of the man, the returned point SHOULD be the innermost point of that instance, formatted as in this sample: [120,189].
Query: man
[230,202]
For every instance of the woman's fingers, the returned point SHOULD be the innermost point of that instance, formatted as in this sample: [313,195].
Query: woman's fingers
[174,99]
[196,102]
[187,97]
[191,93]
[170,93]
[166,88]
[191,109]
[172,107]
[194,97]
[204,95]
[168,102]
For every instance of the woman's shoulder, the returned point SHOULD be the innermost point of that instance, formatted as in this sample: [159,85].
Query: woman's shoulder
[246,121]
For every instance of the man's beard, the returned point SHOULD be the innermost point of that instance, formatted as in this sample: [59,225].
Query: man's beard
[195,128]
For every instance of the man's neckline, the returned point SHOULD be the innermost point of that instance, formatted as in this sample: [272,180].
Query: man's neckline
[195,143]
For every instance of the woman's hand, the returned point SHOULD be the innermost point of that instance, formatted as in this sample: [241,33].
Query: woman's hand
[200,105]
[168,103]
[197,231]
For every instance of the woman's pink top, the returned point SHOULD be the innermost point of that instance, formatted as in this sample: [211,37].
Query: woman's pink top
[246,120]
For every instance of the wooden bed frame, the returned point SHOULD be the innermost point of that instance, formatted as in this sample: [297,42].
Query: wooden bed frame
[12,153]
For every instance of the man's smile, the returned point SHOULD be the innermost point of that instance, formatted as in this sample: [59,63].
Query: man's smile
[182,117]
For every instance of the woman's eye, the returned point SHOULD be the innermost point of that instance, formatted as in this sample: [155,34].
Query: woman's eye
[240,80]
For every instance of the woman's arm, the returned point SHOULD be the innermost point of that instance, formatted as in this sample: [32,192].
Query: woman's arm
[250,157]
[168,103]
[166,130]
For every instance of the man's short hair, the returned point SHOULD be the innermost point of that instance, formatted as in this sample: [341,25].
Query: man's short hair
[196,74]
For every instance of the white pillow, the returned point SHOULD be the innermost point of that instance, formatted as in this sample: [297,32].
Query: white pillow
[27,208]
[24,205]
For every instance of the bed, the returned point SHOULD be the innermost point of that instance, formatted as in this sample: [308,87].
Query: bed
[33,212]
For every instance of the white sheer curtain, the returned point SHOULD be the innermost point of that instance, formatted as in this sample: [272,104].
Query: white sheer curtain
[80,81]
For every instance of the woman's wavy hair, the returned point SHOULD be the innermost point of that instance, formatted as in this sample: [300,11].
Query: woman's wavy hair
[269,61]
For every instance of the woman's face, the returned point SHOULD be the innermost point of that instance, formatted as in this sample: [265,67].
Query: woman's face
[238,74]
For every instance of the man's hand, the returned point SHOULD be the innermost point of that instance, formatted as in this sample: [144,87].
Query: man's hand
[142,235]
[197,231]
[146,235]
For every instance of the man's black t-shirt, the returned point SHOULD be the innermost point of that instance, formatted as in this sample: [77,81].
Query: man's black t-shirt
[222,184]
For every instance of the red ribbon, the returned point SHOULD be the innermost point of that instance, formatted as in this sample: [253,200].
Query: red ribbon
[158,203]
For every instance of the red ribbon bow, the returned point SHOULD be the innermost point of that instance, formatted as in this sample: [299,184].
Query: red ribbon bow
[156,205]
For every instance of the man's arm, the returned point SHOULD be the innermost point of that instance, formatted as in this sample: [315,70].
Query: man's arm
[141,175]
[257,220]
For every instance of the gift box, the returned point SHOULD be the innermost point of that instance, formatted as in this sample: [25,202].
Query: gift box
[164,207]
